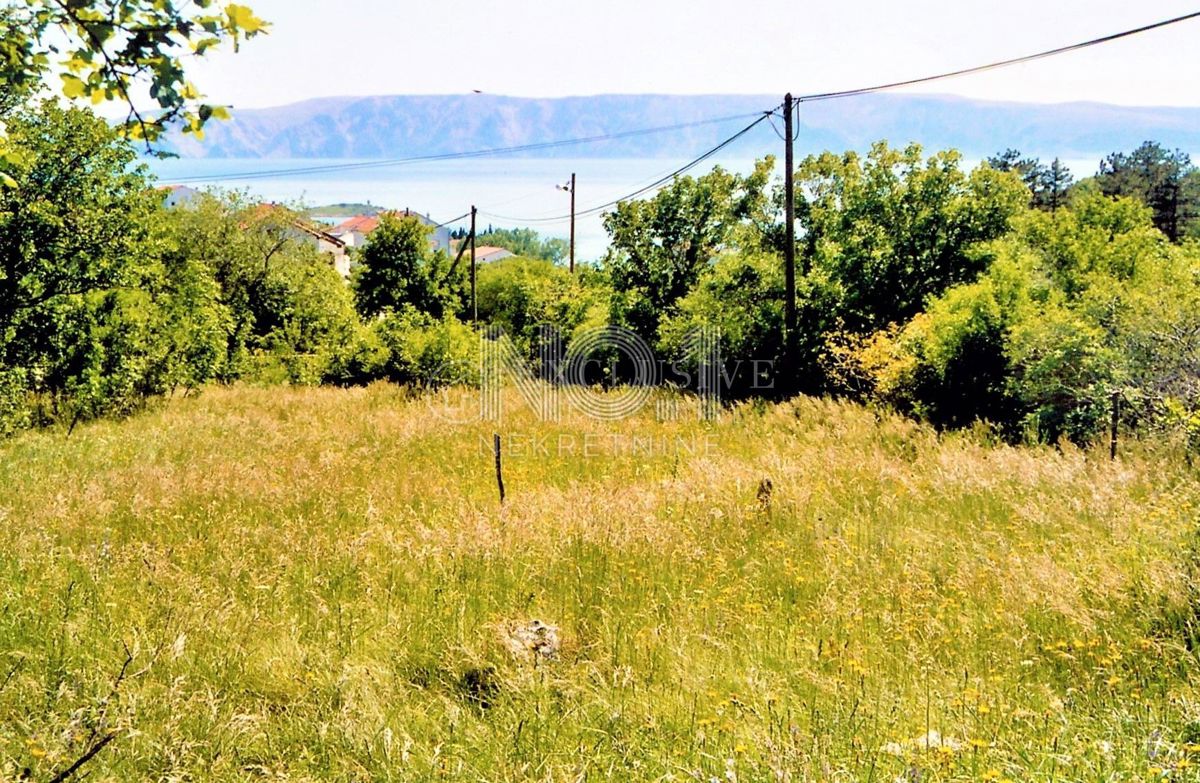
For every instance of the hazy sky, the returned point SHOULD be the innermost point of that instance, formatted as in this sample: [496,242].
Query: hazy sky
[540,48]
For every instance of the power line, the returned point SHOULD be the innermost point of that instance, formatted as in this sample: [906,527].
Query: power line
[657,183]
[811,97]
[250,175]
[761,116]
[445,223]
[824,96]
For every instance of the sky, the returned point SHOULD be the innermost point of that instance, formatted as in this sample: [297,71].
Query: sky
[547,49]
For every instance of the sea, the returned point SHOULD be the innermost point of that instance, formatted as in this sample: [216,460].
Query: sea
[507,192]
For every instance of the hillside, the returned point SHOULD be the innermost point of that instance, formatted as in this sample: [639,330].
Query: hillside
[400,126]
[319,584]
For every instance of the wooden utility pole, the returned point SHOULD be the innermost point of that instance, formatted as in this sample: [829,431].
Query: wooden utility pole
[474,304]
[572,222]
[789,231]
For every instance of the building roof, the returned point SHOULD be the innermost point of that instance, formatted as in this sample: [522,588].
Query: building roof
[365,224]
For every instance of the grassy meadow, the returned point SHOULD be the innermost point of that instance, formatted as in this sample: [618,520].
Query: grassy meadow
[320,584]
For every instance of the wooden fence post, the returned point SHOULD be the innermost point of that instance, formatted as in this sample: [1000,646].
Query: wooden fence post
[499,473]
[1116,418]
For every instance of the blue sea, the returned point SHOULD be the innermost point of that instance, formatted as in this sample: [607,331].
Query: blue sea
[508,192]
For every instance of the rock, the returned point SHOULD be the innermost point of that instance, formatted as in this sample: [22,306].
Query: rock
[533,640]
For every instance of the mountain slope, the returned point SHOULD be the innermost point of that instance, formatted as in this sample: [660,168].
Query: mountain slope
[412,125]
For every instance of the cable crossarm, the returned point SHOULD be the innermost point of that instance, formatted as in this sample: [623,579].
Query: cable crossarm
[824,96]
[479,153]
[642,190]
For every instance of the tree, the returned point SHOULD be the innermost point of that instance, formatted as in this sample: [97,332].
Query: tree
[397,268]
[660,246]
[525,242]
[1048,185]
[107,51]
[1072,307]
[740,296]
[1028,169]
[84,303]
[891,230]
[283,309]
[77,213]
[1053,186]
[1164,180]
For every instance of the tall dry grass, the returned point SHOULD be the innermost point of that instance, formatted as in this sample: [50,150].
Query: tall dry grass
[316,584]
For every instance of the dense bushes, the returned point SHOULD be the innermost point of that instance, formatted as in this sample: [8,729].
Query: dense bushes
[1070,311]
[520,295]
[410,347]
[108,299]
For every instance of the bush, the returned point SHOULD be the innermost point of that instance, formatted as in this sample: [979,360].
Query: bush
[410,348]
[741,298]
[521,295]
[948,365]
[15,412]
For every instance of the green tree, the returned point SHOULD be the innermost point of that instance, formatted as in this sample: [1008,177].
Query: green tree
[1164,180]
[741,296]
[397,267]
[284,309]
[660,246]
[1050,191]
[521,295]
[1073,306]
[85,302]
[890,231]
[525,242]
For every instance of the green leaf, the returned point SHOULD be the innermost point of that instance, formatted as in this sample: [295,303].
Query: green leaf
[73,86]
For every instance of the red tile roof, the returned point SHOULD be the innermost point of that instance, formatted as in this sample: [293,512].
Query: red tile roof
[363,224]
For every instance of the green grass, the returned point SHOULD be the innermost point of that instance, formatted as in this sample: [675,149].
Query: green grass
[317,584]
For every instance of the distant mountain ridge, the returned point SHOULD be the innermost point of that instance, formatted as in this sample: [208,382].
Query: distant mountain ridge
[413,125]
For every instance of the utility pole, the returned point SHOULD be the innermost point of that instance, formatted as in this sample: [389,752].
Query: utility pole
[572,222]
[570,187]
[474,304]
[789,224]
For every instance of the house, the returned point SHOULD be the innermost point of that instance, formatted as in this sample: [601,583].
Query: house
[485,253]
[326,243]
[178,195]
[354,231]
[301,231]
